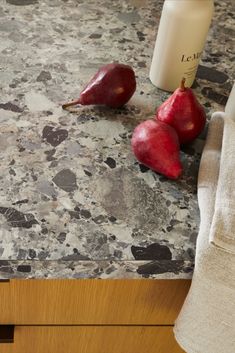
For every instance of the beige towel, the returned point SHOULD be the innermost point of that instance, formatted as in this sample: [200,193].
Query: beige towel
[206,323]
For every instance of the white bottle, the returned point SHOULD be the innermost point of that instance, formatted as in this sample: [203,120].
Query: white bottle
[182,32]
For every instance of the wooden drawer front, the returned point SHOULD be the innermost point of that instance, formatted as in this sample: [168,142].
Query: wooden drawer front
[92,339]
[84,302]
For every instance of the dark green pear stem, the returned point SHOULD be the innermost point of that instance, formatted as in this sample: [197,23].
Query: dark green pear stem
[69,104]
[182,86]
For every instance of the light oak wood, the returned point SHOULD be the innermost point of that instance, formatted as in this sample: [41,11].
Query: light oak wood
[141,302]
[93,339]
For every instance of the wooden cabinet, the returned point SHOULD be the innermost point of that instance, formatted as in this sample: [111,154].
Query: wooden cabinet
[92,316]
[92,339]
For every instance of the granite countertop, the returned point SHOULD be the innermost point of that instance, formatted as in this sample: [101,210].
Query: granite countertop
[74,203]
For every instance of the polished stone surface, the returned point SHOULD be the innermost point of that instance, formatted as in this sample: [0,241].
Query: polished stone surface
[74,203]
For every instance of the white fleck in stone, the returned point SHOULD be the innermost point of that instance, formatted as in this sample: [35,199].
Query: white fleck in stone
[5,128]
[37,102]
[23,123]
[66,203]
[108,130]
[149,179]
[6,115]
[79,197]
[45,187]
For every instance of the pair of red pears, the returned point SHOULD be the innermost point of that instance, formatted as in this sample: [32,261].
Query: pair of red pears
[179,120]
[155,143]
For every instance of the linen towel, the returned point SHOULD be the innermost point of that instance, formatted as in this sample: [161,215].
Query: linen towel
[206,323]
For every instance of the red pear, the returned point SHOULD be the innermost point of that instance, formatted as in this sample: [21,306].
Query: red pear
[183,112]
[113,85]
[156,145]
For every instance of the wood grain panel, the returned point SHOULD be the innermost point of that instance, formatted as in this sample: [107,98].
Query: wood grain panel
[91,301]
[93,339]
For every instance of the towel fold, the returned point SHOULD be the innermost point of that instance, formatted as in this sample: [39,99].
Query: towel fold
[223,224]
[206,323]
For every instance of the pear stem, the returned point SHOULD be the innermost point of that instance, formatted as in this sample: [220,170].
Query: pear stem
[69,104]
[182,86]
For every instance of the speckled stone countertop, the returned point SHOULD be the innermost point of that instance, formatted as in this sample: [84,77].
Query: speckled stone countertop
[74,203]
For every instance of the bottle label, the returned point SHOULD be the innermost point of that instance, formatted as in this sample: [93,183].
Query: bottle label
[191,64]
[190,71]
[189,58]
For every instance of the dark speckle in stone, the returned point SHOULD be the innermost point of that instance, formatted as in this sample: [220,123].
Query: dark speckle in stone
[32,253]
[53,164]
[191,254]
[50,154]
[10,106]
[85,214]
[22,2]
[74,214]
[95,35]
[18,219]
[34,177]
[124,40]
[4,263]
[110,270]
[96,270]
[87,173]
[207,105]
[117,254]
[231,14]
[12,162]
[44,76]
[115,30]
[21,149]
[65,180]
[174,222]
[188,269]
[12,85]
[141,63]
[141,36]
[102,239]
[44,231]
[61,237]
[163,266]
[43,255]
[152,252]
[99,219]
[169,228]
[6,269]
[12,172]
[215,96]
[22,253]
[210,74]
[110,162]
[54,137]
[24,268]
[84,117]
[195,84]
[112,219]
[20,202]
[143,168]
[75,257]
